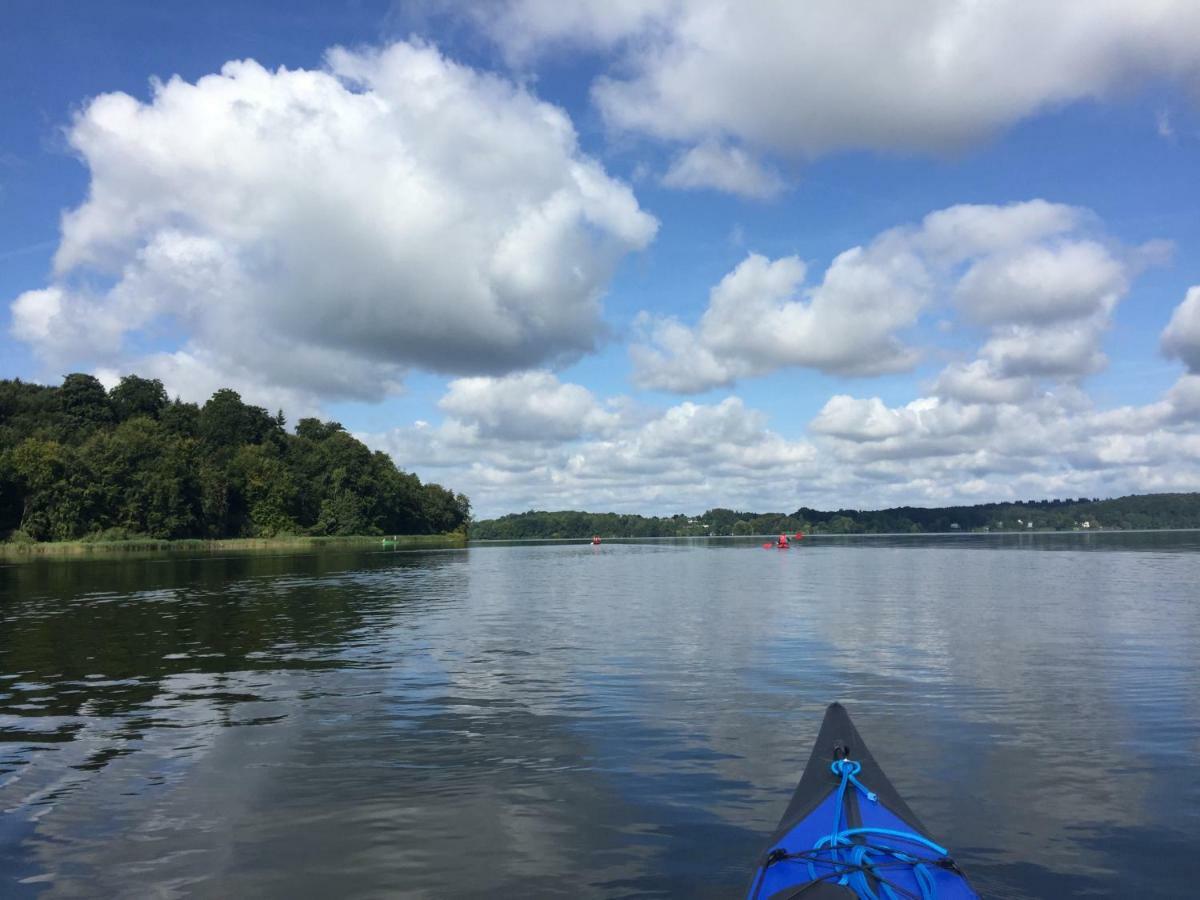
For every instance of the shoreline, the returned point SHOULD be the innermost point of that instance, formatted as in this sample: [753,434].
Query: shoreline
[826,535]
[91,549]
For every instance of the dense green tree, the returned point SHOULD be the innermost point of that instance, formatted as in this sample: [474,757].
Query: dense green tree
[220,501]
[53,490]
[226,422]
[142,478]
[77,461]
[182,419]
[269,490]
[84,401]
[840,525]
[135,396]
[316,430]
[28,410]
[445,509]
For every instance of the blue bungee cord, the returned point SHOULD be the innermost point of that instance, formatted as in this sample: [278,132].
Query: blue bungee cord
[861,857]
[855,864]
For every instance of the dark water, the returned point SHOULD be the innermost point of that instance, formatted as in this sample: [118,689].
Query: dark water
[574,721]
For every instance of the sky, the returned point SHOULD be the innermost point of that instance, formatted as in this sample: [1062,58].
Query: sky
[634,255]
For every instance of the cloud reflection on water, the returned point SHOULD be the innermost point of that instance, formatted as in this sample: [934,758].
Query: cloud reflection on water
[565,720]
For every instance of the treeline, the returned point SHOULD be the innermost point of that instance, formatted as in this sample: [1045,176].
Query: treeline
[1141,511]
[1133,512]
[80,462]
[571,524]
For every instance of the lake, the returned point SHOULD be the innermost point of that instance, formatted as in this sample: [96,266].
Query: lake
[627,720]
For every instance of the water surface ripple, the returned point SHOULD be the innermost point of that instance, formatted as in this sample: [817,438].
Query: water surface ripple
[621,721]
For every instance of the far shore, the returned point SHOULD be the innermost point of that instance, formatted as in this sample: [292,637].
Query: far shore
[15,551]
[826,535]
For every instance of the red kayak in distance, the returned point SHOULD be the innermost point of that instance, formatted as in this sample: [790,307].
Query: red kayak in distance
[783,543]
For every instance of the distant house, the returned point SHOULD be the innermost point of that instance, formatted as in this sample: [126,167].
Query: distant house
[1085,524]
[954,526]
[1029,524]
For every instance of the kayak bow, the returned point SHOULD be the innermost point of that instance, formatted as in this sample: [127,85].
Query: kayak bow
[847,833]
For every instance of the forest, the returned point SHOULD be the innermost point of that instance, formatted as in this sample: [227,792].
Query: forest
[1133,512]
[78,462]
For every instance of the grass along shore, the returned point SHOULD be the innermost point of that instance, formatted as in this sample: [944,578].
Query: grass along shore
[11,551]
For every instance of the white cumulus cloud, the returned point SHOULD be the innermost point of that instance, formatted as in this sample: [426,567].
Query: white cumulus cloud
[1182,335]
[978,382]
[808,78]
[1048,306]
[1063,352]
[1043,284]
[936,450]
[1014,435]
[694,456]
[639,459]
[393,209]
[526,28]
[930,75]
[761,318]
[729,169]
[529,406]
[1025,269]
[1013,423]
[871,420]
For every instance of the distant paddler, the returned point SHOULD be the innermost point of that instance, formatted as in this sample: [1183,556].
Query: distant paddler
[783,543]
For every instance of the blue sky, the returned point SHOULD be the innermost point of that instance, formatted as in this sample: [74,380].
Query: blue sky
[652,256]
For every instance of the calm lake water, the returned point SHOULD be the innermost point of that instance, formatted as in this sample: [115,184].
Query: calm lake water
[621,721]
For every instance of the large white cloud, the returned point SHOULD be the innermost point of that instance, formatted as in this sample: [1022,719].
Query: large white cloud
[760,318]
[977,435]
[638,459]
[970,437]
[1062,352]
[961,232]
[530,406]
[394,209]
[693,456]
[1182,335]
[1058,444]
[1027,271]
[1048,306]
[870,419]
[1043,284]
[805,78]
[1183,400]
[802,79]
[978,382]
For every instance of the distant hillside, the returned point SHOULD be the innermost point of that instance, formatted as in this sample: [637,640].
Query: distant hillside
[1138,511]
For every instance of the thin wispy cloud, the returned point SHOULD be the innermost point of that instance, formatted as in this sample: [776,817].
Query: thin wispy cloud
[14,252]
